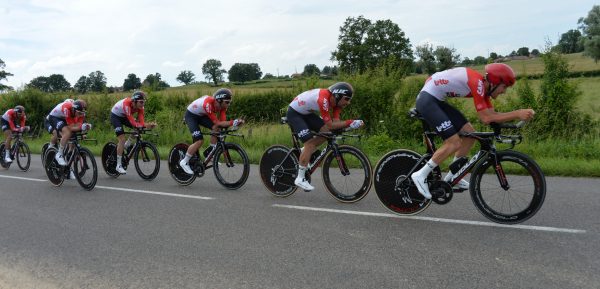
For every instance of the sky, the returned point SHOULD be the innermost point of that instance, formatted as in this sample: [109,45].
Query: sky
[119,37]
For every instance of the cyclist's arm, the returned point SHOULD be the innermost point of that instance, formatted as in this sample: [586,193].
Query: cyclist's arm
[488,115]
[331,123]
[140,117]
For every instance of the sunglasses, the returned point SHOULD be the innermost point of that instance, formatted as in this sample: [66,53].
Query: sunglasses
[227,101]
[348,98]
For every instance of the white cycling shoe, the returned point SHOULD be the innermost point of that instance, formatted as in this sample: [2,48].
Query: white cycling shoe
[186,167]
[120,170]
[422,187]
[462,184]
[59,158]
[7,159]
[303,184]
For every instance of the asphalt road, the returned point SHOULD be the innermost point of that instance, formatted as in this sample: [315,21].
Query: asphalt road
[130,233]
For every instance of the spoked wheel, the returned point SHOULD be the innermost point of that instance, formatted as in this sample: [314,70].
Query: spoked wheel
[520,199]
[278,170]
[109,159]
[147,161]
[86,171]
[231,166]
[2,154]
[393,185]
[54,171]
[347,177]
[176,154]
[23,156]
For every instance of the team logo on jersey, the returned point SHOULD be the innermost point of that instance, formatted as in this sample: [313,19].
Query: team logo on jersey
[325,105]
[303,133]
[444,126]
[480,87]
[208,108]
[441,82]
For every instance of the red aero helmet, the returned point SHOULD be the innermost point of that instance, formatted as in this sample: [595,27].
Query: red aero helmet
[497,73]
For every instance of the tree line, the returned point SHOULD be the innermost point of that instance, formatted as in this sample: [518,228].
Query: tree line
[363,45]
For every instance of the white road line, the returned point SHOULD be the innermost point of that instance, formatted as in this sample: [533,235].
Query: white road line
[123,189]
[156,193]
[432,219]
[21,178]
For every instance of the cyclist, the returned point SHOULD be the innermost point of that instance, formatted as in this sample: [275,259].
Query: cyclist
[67,117]
[122,115]
[13,120]
[448,121]
[207,111]
[301,117]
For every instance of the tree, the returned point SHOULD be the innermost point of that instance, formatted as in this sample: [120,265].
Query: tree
[310,70]
[467,62]
[571,42]
[494,56]
[479,60]
[523,51]
[326,70]
[535,52]
[83,85]
[132,82]
[269,76]
[4,75]
[426,58]
[154,82]
[97,81]
[591,30]
[242,72]
[363,45]
[446,57]
[213,71]
[186,77]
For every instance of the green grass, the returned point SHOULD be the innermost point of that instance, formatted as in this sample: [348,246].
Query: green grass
[577,62]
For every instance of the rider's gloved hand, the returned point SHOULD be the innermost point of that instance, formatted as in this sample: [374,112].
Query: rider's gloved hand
[86,126]
[26,128]
[356,124]
[236,123]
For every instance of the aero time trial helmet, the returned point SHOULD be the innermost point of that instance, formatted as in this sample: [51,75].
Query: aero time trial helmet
[497,73]
[138,95]
[79,105]
[223,94]
[19,109]
[341,89]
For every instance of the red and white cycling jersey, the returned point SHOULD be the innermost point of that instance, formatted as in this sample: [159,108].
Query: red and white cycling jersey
[315,100]
[124,108]
[64,111]
[11,117]
[206,106]
[458,82]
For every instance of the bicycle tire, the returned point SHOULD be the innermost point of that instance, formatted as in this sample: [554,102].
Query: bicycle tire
[2,154]
[43,154]
[527,183]
[109,159]
[83,163]
[23,152]
[349,188]
[54,171]
[149,154]
[224,163]
[175,155]
[390,173]
[277,174]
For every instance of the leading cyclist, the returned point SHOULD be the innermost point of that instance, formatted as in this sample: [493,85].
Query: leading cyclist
[449,121]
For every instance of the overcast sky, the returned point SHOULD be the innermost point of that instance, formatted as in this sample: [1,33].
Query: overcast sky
[118,37]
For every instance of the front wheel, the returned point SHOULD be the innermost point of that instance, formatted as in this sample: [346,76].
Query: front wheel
[86,171]
[176,154]
[2,154]
[347,176]
[393,185]
[278,169]
[147,161]
[231,166]
[523,194]
[109,159]
[23,156]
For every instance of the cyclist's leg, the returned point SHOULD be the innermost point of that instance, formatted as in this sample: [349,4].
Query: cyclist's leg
[118,123]
[193,122]
[459,120]
[302,126]
[65,131]
[437,118]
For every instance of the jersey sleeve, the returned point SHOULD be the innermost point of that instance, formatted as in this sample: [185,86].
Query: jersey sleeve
[324,105]
[23,120]
[475,83]
[129,112]
[209,107]
[11,119]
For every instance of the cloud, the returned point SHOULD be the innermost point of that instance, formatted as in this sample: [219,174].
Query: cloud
[169,63]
